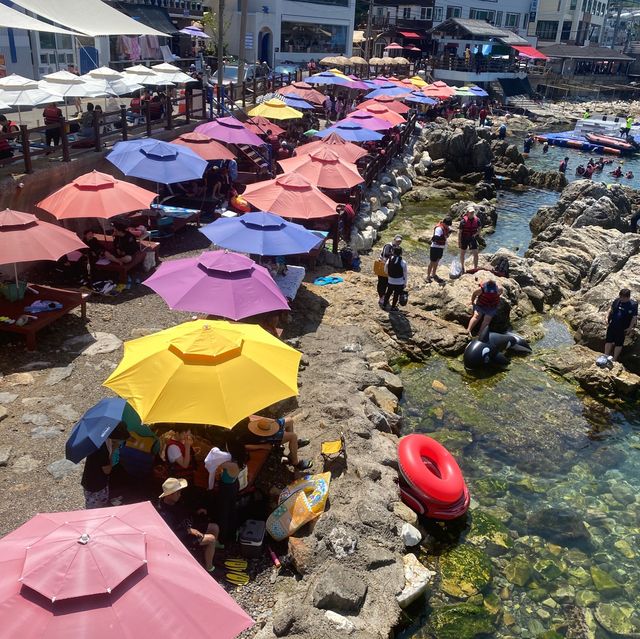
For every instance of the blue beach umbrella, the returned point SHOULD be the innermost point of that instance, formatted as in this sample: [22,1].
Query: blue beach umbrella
[261,233]
[391,90]
[351,132]
[157,161]
[96,425]
[296,101]
[327,78]
[476,90]
[419,98]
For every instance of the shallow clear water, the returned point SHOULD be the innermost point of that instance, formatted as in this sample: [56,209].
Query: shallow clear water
[527,443]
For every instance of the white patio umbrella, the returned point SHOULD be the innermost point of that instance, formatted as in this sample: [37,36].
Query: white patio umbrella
[18,91]
[139,74]
[110,81]
[68,85]
[171,74]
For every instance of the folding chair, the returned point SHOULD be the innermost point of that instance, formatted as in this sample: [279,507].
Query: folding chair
[334,450]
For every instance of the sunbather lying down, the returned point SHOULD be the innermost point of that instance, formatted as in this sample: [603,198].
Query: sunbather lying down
[260,433]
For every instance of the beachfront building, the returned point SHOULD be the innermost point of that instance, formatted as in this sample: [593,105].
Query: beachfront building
[397,21]
[567,21]
[494,53]
[513,16]
[34,54]
[295,31]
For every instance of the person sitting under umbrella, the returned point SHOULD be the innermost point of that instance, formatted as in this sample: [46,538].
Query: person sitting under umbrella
[194,531]
[261,433]
[98,467]
[125,244]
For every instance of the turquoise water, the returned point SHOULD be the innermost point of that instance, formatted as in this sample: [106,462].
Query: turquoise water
[554,479]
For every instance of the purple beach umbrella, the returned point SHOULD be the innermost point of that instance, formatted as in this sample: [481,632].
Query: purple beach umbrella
[229,130]
[218,283]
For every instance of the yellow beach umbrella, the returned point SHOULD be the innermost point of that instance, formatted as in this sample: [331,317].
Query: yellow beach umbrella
[417,81]
[338,72]
[205,372]
[275,110]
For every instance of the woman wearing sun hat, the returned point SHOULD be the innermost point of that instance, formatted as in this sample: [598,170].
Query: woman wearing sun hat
[261,433]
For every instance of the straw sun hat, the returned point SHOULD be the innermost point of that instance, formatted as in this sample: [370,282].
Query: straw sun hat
[172,485]
[263,427]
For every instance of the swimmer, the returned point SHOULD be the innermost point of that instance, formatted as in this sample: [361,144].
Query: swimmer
[545,147]
[629,175]
[617,172]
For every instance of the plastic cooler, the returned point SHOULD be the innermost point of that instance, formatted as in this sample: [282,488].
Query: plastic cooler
[251,538]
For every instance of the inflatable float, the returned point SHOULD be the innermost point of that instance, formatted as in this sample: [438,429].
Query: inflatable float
[487,350]
[614,143]
[431,482]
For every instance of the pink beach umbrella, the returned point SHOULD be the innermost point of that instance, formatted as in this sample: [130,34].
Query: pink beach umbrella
[394,46]
[229,130]
[105,573]
[218,283]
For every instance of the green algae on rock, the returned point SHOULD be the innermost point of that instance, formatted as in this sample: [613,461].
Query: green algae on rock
[465,571]
[519,571]
[460,621]
[486,529]
[620,619]
[605,584]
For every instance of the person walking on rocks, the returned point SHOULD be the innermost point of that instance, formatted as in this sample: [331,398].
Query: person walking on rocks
[438,243]
[468,233]
[396,269]
[621,320]
[385,254]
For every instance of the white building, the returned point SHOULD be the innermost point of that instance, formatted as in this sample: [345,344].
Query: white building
[281,31]
[510,14]
[569,21]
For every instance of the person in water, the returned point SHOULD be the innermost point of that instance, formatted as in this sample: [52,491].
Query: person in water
[629,175]
[617,172]
[545,147]
[485,301]
[528,143]
[563,165]
[438,243]
[621,320]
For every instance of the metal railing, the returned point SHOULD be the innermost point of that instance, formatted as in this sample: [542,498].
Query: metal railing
[29,143]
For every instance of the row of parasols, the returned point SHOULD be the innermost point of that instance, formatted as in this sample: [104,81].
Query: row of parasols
[17,91]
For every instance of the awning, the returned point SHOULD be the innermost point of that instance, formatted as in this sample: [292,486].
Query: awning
[530,52]
[154,17]
[13,19]
[91,17]
[410,34]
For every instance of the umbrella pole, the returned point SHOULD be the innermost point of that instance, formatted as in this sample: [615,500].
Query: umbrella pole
[15,272]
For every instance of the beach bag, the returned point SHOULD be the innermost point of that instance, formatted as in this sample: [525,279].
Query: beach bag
[455,270]
[403,299]
[378,268]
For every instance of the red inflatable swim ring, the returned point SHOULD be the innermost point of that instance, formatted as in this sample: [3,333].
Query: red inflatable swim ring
[430,479]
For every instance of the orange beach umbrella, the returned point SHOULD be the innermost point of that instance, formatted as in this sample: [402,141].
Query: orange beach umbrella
[324,168]
[204,146]
[291,196]
[348,151]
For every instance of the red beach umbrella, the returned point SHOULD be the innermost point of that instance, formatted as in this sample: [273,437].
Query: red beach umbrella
[96,195]
[109,572]
[347,151]
[259,125]
[386,101]
[25,238]
[324,168]
[305,91]
[394,46]
[204,146]
[291,196]
[383,113]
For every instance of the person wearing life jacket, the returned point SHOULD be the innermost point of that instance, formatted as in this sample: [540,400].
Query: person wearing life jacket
[396,269]
[485,301]
[617,172]
[468,232]
[53,120]
[441,232]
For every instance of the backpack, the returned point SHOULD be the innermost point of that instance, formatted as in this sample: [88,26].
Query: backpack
[394,268]
[502,267]
[346,255]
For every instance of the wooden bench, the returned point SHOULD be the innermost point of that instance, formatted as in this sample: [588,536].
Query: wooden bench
[69,300]
[122,270]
